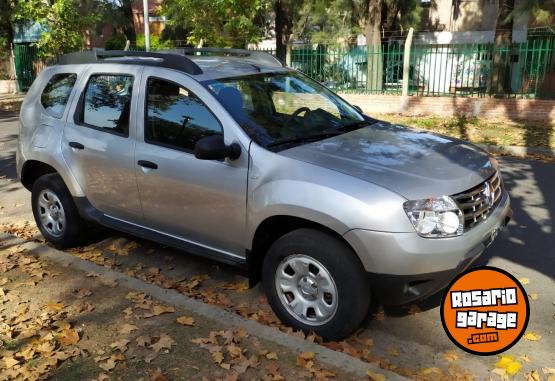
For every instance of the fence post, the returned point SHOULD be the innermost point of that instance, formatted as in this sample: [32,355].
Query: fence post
[406,71]
[289,55]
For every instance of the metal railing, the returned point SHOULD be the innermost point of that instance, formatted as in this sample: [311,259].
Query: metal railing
[523,70]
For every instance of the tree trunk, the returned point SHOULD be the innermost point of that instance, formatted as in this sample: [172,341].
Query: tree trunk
[501,73]
[372,31]
[284,26]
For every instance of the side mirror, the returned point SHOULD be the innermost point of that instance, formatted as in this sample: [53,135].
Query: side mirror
[214,148]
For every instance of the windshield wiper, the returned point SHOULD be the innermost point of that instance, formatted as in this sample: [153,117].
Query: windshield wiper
[354,126]
[301,139]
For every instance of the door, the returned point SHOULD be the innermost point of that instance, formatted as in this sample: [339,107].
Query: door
[99,139]
[198,201]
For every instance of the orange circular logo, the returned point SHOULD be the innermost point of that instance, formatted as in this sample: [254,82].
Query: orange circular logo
[485,310]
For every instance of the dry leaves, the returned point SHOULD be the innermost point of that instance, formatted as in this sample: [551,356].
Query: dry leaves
[531,336]
[186,320]
[69,336]
[508,364]
[375,376]
[164,342]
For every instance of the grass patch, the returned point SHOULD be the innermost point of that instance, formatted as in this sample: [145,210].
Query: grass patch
[486,131]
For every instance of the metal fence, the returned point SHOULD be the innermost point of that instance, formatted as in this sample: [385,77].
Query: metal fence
[524,70]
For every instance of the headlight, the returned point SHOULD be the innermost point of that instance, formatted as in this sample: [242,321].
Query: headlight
[437,217]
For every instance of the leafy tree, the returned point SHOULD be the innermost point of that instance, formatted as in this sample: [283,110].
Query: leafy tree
[119,14]
[116,42]
[224,23]
[287,15]
[6,33]
[329,21]
[155,43]
[541,12]
[64,21]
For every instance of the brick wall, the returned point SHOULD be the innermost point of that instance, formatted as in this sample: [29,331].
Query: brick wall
[522,109]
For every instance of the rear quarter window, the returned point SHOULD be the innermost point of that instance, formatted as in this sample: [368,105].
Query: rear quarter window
[55,95]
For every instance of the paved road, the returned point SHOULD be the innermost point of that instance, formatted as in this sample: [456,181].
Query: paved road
[527,250]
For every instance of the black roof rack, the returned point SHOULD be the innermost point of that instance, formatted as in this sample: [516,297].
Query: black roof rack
[171,60]
[259,56]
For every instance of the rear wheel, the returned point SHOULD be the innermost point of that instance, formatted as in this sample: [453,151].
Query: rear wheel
[314,282]
[55,212]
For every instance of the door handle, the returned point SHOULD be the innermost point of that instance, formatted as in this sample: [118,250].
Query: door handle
[147,164]
[76,145]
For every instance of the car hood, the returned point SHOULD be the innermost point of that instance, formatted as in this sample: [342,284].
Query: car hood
[413,163]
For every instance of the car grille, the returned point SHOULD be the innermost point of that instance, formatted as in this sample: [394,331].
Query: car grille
[477,203]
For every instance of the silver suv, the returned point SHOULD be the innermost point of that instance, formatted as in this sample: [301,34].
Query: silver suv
[230,155]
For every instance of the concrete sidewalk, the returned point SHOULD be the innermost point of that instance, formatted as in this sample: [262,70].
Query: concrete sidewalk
[100,306]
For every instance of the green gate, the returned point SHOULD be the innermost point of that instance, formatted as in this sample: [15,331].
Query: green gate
[25,59]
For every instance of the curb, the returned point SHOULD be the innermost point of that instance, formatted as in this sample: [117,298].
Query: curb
[325,355]
[517,150]
[11,104]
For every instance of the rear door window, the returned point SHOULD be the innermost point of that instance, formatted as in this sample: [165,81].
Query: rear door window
[106,103]
[56,94]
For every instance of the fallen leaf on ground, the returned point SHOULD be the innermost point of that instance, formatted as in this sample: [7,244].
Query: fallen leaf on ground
[165,342]
[534,375]
[217,357]
[111,362]
[158,310]
[307,355]
[128,328]
[451,356]
[509,364]
[120,345]
[533,296]
[54,306]
[531,336]
[69,337]
[271,356]
[375,376]
[186,320]
[143,341]
[524,281]
[9,362]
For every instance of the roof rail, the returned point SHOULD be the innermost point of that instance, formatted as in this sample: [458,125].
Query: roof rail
[171,60]
[264,57]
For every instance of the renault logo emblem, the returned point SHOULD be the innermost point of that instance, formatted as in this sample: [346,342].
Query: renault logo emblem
[488,194]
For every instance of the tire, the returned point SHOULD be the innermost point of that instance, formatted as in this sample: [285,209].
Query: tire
[62,226]
[319,257]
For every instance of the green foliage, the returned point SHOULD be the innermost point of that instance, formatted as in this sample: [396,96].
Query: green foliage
[333,21]
[402,14]
[155,43]
[223,23]
[64,21]
[542,12]
[329,21]
[116,42]
[6,8]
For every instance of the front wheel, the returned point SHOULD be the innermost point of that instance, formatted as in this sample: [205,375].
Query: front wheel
[315,282]
[55,212]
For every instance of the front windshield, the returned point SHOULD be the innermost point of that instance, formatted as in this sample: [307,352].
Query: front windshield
[284,109]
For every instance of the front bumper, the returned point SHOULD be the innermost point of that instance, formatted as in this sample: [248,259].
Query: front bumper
[404,267]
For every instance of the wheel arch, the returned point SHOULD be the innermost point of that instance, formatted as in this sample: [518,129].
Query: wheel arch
[271,229]
[32,170]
